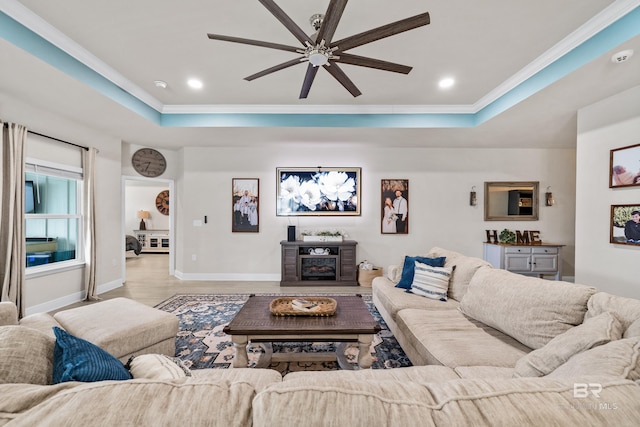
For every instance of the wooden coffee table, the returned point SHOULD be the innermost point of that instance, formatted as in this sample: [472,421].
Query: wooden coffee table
[254,323]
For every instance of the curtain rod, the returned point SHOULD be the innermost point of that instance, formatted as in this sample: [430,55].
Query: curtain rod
[55,139]
[59,140]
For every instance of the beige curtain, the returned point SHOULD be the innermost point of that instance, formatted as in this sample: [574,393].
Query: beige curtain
[88,172]
[12,243]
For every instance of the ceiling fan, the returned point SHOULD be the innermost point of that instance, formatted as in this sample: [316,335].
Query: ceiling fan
[320,50]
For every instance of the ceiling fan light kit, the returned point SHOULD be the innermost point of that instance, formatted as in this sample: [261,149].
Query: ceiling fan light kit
[319,49]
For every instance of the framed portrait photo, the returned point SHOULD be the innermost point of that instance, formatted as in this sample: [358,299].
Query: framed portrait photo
[394,206]
[317,191]
[625,224]
[245,199]
[624,166]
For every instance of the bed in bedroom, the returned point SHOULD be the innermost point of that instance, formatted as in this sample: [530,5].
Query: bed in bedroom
[132,244]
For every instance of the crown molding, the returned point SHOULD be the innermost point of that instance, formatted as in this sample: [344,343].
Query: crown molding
[46,31]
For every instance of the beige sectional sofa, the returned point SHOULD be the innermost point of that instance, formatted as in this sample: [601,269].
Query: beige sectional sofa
[503,350]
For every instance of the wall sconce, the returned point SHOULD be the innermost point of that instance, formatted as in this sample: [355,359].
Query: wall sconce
[473,198]
[143,215]
[548,198]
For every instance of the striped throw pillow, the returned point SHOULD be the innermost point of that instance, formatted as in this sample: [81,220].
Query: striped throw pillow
[431,282]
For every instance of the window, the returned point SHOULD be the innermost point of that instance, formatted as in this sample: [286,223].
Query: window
[53,215]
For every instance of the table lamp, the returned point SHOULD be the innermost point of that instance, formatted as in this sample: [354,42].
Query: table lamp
[143,215]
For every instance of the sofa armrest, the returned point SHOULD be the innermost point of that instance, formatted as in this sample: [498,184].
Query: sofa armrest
[394,273]
[43,322]
[8,314]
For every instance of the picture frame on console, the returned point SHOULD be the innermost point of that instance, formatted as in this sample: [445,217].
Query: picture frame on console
[318,191]
[625,224]
[245,201]
[394,198]
[624,166]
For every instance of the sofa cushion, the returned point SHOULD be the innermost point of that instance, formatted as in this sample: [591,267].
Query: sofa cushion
[258,378]
[529,309]
[489,372]
[43,322]
[157,367]
[76,359]
[409,265]
[26,355]
[615,359]
[449,338]
[196,402]
[627,310]
[391,299]
[633,330]
[464,269]
[8,313]
[421,374]
[464,402]
[431,282]
[593,332]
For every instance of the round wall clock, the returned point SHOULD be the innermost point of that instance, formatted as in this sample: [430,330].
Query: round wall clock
[149,162]
[162,202]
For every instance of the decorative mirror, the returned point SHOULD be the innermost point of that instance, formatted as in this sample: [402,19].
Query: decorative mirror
[511,201]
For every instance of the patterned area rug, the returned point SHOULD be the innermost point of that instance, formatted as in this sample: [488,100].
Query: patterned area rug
[202,344]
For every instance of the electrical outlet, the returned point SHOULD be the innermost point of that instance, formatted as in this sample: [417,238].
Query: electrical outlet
[194,257]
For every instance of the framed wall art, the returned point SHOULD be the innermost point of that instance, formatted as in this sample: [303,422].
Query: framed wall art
[624,166]
[395,206]
[625,224]
[245,197]
[317,191]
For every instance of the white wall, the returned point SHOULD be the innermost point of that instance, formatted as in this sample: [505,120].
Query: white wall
[55,290]
[609,124]
[439,183]
[141,195]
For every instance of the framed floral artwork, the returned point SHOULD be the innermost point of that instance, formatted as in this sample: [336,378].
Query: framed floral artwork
[624,166]
[625,224]
[245,198]
[317,191]
[395,206]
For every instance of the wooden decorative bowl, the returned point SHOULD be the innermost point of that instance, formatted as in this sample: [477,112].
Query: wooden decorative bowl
[317,306]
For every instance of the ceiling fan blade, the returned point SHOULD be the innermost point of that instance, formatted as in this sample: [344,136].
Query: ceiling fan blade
[341,77]
[253,42]
[308,80]
[362,61]
[330,21]
[286,21]
[274,68]
[382,32]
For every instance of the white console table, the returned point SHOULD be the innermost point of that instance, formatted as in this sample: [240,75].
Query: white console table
[153,240]
[526,259]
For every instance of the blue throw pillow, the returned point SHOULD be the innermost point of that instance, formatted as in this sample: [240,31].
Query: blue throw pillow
[408,269]
[75,359]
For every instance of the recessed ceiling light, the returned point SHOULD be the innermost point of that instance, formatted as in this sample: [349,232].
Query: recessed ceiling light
[622,56]
[446,83]
[195,83]
[160,83]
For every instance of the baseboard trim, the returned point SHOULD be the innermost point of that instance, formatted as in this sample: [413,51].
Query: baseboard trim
[232,277]
[70,299]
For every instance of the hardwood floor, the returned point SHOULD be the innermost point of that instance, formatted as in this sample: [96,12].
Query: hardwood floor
[149,282]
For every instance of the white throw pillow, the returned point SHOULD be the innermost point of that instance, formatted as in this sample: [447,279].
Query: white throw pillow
[593,332]
[431,282]
[157,367]
[615,359]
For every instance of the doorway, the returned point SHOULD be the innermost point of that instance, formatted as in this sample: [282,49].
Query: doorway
[140,194]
